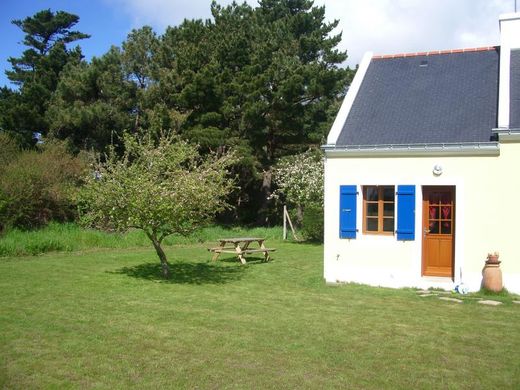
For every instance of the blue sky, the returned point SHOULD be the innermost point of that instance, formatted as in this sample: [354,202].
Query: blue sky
[103,22]
[381,26]
[107,21]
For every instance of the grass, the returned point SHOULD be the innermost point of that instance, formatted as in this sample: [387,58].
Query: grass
[503,296]
[103,318]
[70,237]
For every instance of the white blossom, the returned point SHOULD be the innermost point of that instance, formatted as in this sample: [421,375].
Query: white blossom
[300,179]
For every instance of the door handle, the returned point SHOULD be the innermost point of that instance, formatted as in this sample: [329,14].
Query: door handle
[426,231]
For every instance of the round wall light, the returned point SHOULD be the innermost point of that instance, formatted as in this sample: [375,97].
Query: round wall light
[437,170]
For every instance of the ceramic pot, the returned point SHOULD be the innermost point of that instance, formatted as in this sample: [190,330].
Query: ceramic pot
[492,277]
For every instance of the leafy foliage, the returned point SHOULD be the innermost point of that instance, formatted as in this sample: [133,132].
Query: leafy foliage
[38,70]
[258,80]
[92,103]
[37,186]
[299,181]
[9,149]
[262,81]
[313,223]
[162,189]
[45,29]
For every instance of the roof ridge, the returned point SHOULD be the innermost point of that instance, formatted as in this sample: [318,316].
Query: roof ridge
[434,52]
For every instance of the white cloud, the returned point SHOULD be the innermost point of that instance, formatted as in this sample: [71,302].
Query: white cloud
[402,26]
[381,26]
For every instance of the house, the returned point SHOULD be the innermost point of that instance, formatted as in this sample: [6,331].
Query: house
[421,164]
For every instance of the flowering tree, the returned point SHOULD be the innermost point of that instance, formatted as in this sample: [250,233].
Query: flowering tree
[300,182]
[162,188]
[300,179]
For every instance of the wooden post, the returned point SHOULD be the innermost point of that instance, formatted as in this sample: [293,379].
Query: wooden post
[286,215]
[284,222]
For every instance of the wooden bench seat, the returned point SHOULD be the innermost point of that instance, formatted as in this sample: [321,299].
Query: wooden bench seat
[258,250]
[220,249]
[233,250]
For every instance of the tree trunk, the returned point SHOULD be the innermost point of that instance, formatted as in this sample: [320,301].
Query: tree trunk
[162,256]
[137,120]
[263,212]
[299,215]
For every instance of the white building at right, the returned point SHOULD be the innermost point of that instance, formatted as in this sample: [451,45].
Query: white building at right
[421,168]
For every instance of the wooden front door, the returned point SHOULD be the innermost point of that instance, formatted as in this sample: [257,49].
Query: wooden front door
[438,231]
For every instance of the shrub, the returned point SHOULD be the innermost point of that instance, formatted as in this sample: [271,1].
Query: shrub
[9,149]
[300,184]
[312,224]
[37,186]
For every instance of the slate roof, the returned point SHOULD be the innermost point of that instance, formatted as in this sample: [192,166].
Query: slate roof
[442,98]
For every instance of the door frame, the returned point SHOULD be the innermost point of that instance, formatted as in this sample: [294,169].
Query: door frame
[424,225]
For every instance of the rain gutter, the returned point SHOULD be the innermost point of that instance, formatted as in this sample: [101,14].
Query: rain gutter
[414,150]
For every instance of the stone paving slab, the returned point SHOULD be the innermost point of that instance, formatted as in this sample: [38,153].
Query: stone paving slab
[436,292]
[517,302]
[490,302]
[451,299]
[427,295]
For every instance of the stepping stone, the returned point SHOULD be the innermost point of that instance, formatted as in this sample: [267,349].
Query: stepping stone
[427,295]
[517,302]
[435,292]
[490,302]
[451,299]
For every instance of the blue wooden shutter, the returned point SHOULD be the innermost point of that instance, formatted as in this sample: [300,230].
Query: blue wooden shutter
[406,213]
[347,211]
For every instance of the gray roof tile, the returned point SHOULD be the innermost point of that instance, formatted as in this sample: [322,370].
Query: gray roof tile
[443,98]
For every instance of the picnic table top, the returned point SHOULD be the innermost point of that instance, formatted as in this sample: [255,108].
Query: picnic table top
[241,239]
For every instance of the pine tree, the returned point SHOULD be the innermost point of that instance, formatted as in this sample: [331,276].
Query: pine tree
[38,70]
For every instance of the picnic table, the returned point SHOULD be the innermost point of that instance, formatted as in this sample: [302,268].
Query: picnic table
[240,247]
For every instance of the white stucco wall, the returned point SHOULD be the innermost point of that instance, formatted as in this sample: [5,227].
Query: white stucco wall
[487,219]
[509,39]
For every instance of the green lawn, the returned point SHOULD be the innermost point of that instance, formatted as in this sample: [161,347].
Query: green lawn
[69,237]
[104,319]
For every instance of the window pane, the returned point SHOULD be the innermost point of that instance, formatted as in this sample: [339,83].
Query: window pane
[388,193]
[446,212]
[371,193]
[388,210]
[388,224]
[446,227]
[433,212]
[372,224]
[372,209]
[434,227]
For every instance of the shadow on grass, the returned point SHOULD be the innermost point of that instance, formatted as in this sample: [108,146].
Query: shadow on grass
[249,260]
[184,273]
